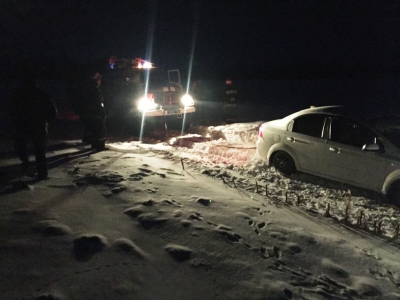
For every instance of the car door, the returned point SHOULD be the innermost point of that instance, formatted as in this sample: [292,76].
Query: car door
[305,136]
[345,159]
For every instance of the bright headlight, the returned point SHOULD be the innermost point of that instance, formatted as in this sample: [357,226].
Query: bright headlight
[146,104]
[187,100]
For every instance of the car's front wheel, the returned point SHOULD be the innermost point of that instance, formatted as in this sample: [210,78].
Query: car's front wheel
[284,163]
[393,194]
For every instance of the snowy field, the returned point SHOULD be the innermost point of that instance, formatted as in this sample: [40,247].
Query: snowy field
[198,216]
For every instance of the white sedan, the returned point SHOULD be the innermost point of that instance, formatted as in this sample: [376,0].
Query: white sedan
[328,142]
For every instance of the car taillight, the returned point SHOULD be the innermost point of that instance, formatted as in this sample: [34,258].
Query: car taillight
[260,134]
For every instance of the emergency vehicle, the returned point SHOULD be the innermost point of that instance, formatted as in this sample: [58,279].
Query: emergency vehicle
[142,91]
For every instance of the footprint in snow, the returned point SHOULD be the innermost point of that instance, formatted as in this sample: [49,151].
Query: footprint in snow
[243,215]
[196,216]
[186,223]
[166,169]
[172,202]
[230,235]
[86,246]
[259,210]
[135,211]
[128,246]
[100,178]
[118,189]
[178,252]
[224,227]
[152,190]
[170,171]
[150,220]
[137,176]
[52,228]
[273,251]
[212,224]
[278,235]
[145,170]
[177,213]
[258,226]
[294,248]
[334,269]
[149,202]
[261,225]
[204,201]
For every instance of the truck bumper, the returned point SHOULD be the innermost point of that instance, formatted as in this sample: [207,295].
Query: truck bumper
[162,112]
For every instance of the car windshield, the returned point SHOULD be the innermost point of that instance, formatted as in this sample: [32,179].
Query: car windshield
[389,127]
[158,77]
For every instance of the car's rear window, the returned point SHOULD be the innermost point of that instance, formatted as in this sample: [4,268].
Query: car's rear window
[312,125]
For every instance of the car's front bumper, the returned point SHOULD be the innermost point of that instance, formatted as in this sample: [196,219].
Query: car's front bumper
[169,112]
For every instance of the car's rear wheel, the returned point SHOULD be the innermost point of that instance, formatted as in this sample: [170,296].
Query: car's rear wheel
[393,194]
[284,163]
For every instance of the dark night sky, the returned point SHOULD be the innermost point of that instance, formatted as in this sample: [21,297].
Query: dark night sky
[232,36]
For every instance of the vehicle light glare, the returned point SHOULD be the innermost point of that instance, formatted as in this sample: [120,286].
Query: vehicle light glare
[146,104]
[187,100]
[147,65]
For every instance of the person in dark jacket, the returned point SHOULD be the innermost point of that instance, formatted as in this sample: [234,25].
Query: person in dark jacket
[31,111]
[92,112]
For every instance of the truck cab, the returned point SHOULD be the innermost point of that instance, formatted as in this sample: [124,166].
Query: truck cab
[138,91]
[168,99]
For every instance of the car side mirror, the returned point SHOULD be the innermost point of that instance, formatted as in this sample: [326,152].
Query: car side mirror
[372,148]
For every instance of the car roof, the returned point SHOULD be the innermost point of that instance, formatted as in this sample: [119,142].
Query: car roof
[362,113]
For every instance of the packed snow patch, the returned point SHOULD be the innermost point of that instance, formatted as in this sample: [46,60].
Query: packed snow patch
[202,205]
[229,152]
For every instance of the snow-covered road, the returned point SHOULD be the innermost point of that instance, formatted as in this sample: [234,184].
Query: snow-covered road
[192,217]
[228,152]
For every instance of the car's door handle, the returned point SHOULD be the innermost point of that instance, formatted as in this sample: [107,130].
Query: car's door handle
[334,149]
[290,139]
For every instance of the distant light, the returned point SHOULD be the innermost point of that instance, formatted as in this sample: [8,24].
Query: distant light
[147,65]
[143,64]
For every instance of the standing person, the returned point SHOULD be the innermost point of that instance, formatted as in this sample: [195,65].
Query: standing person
[93,114]
[77,102]
[31,111]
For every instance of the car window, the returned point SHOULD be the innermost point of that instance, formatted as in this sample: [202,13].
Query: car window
[389,127]
[352,133]
[312,125]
